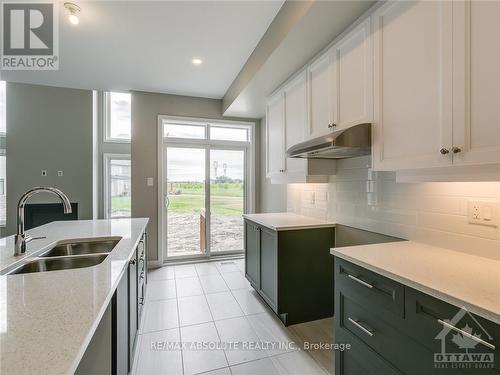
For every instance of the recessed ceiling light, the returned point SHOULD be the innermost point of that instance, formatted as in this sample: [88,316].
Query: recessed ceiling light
[73,12]
[197,61]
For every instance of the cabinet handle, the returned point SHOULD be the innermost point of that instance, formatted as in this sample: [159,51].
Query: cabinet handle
[456,150]
[132,262]
[466,334]
[368,331]
[444,151]
[141,301]
[364,283]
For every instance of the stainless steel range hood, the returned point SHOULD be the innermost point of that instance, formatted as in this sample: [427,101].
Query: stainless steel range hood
[340,144]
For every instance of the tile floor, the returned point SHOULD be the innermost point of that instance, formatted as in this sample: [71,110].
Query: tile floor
[205,318]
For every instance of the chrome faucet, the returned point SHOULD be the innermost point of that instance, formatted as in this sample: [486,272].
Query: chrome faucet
[21,239]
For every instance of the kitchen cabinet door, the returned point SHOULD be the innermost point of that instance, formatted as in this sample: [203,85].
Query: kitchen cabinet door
[476,49]
[413,122]
[252,253]
[269,267]
[275,135]
[322,95]
[295,119]
[354,56]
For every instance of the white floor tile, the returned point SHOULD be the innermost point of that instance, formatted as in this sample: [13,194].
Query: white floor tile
[297,363]
[223,306]
[227,266]
[162,273]
[222,371]
[160,315]
[161,290]
[249,302]
[155,357]
[196,359]
[236,280]
[238,330]
[262,367]
[193,310]
[185,270]
[213,283]
[240,263]
[272,332]
[206,268]
[189,286]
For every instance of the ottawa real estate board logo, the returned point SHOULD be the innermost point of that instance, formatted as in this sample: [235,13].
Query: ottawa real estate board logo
[465,344]
[30,39]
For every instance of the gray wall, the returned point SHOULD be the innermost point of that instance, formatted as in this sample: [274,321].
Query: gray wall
[145,110]
[48,128]
[272,198]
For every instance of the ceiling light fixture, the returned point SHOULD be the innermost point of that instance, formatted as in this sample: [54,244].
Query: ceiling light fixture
[73,12]
[197,61]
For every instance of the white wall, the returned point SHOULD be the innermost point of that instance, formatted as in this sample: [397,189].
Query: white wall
[433,213]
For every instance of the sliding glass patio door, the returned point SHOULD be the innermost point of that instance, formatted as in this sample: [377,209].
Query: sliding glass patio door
[203,190]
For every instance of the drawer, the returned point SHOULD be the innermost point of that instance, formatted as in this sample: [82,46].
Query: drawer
[369,288]
[387,340]
[359,359]
[425,317]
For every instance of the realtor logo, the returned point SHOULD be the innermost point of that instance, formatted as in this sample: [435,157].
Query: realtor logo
[29,36]
[464,344]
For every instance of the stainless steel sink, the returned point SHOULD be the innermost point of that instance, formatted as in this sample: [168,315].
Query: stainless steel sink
[60,263]
[81,248]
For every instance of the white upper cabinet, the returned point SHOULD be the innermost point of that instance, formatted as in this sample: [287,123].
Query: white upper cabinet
[275,135]
[354,55]
[413,66]
[322,95]
[295,119]
[476,132]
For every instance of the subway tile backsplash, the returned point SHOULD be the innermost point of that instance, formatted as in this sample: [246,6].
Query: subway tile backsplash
[433,213]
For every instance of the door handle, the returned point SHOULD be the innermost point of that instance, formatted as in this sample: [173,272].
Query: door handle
[167,201]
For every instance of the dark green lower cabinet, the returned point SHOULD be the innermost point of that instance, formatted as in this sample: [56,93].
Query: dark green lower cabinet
[292,270]
[402,334]
[252,246]
[120,306]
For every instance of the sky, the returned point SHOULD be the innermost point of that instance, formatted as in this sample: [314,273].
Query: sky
[188,164]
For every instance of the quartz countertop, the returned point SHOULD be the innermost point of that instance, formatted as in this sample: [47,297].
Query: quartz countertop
[47,319]
[287,221]
[458,278]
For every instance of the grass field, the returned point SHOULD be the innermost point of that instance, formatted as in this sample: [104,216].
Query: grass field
[226,199]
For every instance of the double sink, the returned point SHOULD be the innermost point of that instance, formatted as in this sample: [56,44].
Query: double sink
[69,254]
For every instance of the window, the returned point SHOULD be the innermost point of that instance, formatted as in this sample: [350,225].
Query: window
[199,130]
[117,186]
[3,110]
[118,117]
[226,133]
[3,158]
[172,130]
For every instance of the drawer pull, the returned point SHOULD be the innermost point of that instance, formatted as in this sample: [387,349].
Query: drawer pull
[468,335]
[368,331]
[360,281]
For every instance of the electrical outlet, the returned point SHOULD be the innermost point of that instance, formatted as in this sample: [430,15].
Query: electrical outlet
[59,173]
[483,213]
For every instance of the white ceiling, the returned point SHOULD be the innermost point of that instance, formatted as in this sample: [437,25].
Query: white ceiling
[148,45]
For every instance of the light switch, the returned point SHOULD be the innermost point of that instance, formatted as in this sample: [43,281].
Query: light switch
[149,181]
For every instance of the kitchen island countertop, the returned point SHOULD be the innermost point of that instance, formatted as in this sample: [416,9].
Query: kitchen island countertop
[47,319]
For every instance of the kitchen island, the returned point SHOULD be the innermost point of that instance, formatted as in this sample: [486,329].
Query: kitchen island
[48,319]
